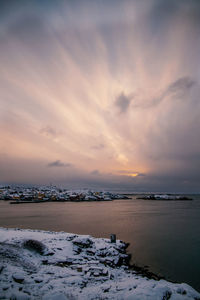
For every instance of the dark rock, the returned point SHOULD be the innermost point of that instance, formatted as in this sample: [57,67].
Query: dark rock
[18,278]
[1,269]
[45,262]
[38,280]
[36,246]
[167,295]
[49,254]
[181,291]
[106,290]
[83,243]
[77,250]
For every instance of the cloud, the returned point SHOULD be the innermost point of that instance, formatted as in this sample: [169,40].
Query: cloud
[27,27]
[176,89]
[58,163]
[95,172]
[134,107]
[181,85]
[49,131]
[123,101]
[98,146]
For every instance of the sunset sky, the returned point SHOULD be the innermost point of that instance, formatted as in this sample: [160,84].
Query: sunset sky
[101,94]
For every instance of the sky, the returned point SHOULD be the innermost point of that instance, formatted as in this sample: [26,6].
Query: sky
[101,94]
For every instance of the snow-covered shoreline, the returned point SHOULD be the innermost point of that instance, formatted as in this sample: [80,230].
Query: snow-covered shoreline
[37,264]
[35,194]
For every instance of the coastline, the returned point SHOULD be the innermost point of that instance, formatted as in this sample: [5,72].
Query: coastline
[71,266]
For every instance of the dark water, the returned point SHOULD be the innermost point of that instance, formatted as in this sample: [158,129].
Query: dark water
[165,235]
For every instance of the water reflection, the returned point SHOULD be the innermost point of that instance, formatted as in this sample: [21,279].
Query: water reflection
[163,235]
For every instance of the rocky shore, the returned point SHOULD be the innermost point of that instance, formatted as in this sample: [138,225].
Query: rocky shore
[58,265]
[165,197]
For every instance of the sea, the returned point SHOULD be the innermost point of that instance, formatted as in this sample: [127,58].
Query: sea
[163,235]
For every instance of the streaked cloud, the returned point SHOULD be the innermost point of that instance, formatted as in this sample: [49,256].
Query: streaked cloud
[103,87]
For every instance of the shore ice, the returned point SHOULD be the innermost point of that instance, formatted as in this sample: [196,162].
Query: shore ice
[70,266]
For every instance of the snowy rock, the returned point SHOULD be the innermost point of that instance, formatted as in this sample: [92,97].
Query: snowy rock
[35,245]
[56,296]
[83,242]
[99,271]
[4,288]
[19,296]
[18,277]
[38,279]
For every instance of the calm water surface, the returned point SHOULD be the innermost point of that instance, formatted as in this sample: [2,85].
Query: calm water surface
[165,235]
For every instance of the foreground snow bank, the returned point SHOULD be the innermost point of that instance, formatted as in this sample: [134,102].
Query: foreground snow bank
[59,266]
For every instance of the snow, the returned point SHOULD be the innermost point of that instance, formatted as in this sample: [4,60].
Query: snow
[52,193]
[164,197]
[74,267]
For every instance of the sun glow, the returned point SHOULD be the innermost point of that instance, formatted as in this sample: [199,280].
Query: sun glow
[133,174]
